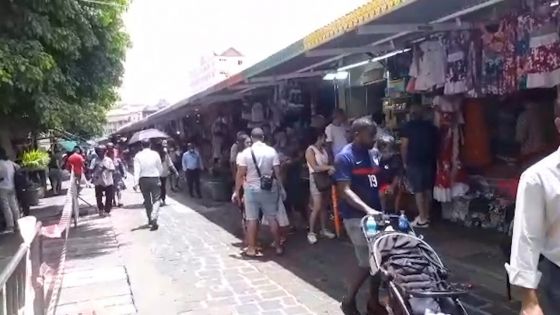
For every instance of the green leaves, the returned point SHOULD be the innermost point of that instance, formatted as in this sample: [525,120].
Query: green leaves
[61,61]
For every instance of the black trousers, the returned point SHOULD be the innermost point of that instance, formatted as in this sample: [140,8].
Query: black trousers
[109,192]
[163,188]
[193,182]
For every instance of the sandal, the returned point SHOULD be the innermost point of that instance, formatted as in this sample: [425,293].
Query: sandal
[254,255]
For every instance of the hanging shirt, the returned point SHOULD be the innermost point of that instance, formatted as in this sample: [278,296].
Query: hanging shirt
[354,165]
[257,113]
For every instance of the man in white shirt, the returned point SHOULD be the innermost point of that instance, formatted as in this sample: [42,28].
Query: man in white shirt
[337,133]
[8,198]
[258,172]
[536,232]
[147,171]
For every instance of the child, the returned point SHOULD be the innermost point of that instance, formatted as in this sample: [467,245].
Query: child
[391,174]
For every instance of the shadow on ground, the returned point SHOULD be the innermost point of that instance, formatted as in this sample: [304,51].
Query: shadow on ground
[472,256]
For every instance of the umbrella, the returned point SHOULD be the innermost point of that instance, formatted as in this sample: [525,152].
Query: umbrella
[147,134]
[67,145]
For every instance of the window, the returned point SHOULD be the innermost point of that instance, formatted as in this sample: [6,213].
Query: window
[239,62]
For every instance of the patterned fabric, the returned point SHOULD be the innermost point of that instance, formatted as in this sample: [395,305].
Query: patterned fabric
[538,50]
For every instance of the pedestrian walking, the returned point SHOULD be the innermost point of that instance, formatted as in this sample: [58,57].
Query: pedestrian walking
[236,148]
[419,147]
[320,171]
[8,200]
[55,173]
[258,173]
[337,133]
[167,169]
[536,233]
[176,155]
[147,172]
[192,166]
[118,177]
[357,186]
[102,169]
[76,163]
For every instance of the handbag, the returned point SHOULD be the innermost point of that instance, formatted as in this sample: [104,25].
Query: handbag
[266,180]
[323,181]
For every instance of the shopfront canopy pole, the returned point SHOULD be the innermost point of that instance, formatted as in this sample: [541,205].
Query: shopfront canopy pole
[334,197]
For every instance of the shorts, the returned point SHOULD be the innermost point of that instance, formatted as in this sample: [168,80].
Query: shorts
[421,177]
[313,187]
[353,228]
[256,200]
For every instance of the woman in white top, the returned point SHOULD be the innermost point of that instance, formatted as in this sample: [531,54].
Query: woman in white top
[167,169]
[317,159]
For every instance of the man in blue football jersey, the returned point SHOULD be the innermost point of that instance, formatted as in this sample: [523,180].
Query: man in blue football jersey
[357,185]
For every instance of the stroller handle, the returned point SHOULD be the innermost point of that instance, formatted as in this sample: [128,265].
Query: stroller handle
[437,294]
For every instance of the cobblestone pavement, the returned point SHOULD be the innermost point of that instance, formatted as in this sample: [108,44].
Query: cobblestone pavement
[191,265]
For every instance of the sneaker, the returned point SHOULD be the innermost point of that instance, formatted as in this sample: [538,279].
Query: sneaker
[311,238]
[154,226]
[327,234]
[9,231]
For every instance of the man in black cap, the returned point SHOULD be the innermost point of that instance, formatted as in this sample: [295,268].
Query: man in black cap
[147,171]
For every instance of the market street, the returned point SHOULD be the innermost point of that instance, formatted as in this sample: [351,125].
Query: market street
[191,265]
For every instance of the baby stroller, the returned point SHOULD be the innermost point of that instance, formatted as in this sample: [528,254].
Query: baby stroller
[414,274]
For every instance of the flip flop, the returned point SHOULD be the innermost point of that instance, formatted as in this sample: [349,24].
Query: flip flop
[257,254]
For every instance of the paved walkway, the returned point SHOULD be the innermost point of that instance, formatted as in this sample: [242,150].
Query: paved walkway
[94,279]
[191,265]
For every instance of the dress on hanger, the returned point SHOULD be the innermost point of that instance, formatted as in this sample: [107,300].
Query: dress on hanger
[456,79]
[538,47]
[428,66]
[498,60]
[449,119]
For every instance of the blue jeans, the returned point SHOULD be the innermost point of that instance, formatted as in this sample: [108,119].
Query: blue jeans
[550,287]
[257,199]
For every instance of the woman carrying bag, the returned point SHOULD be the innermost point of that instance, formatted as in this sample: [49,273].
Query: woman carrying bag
[320,172]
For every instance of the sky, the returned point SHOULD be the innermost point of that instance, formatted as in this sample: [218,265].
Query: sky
[170,36]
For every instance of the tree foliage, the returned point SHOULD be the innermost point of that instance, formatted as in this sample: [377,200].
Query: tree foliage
[61,61]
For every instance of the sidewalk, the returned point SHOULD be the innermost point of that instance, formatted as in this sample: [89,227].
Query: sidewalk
[93,279]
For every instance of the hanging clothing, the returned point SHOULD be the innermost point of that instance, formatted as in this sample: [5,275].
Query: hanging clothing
[475,152]
[428,66]
[257,113]
[449,119]
[456,78]
[498,75]
[538,47]
[529,132]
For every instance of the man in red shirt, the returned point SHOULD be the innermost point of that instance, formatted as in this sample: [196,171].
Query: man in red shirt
[76,163]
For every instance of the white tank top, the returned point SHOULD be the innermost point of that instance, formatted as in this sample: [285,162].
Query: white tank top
[321,157]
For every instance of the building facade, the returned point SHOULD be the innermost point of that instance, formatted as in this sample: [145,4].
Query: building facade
[216,68]
[128,113]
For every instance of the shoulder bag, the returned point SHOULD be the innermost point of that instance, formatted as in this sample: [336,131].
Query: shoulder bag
[266,180]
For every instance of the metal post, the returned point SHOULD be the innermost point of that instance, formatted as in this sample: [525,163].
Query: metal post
[36,257]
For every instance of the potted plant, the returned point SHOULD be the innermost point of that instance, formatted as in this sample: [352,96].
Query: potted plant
[34,164]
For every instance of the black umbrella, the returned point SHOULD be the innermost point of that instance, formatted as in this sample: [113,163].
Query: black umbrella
[147,135]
